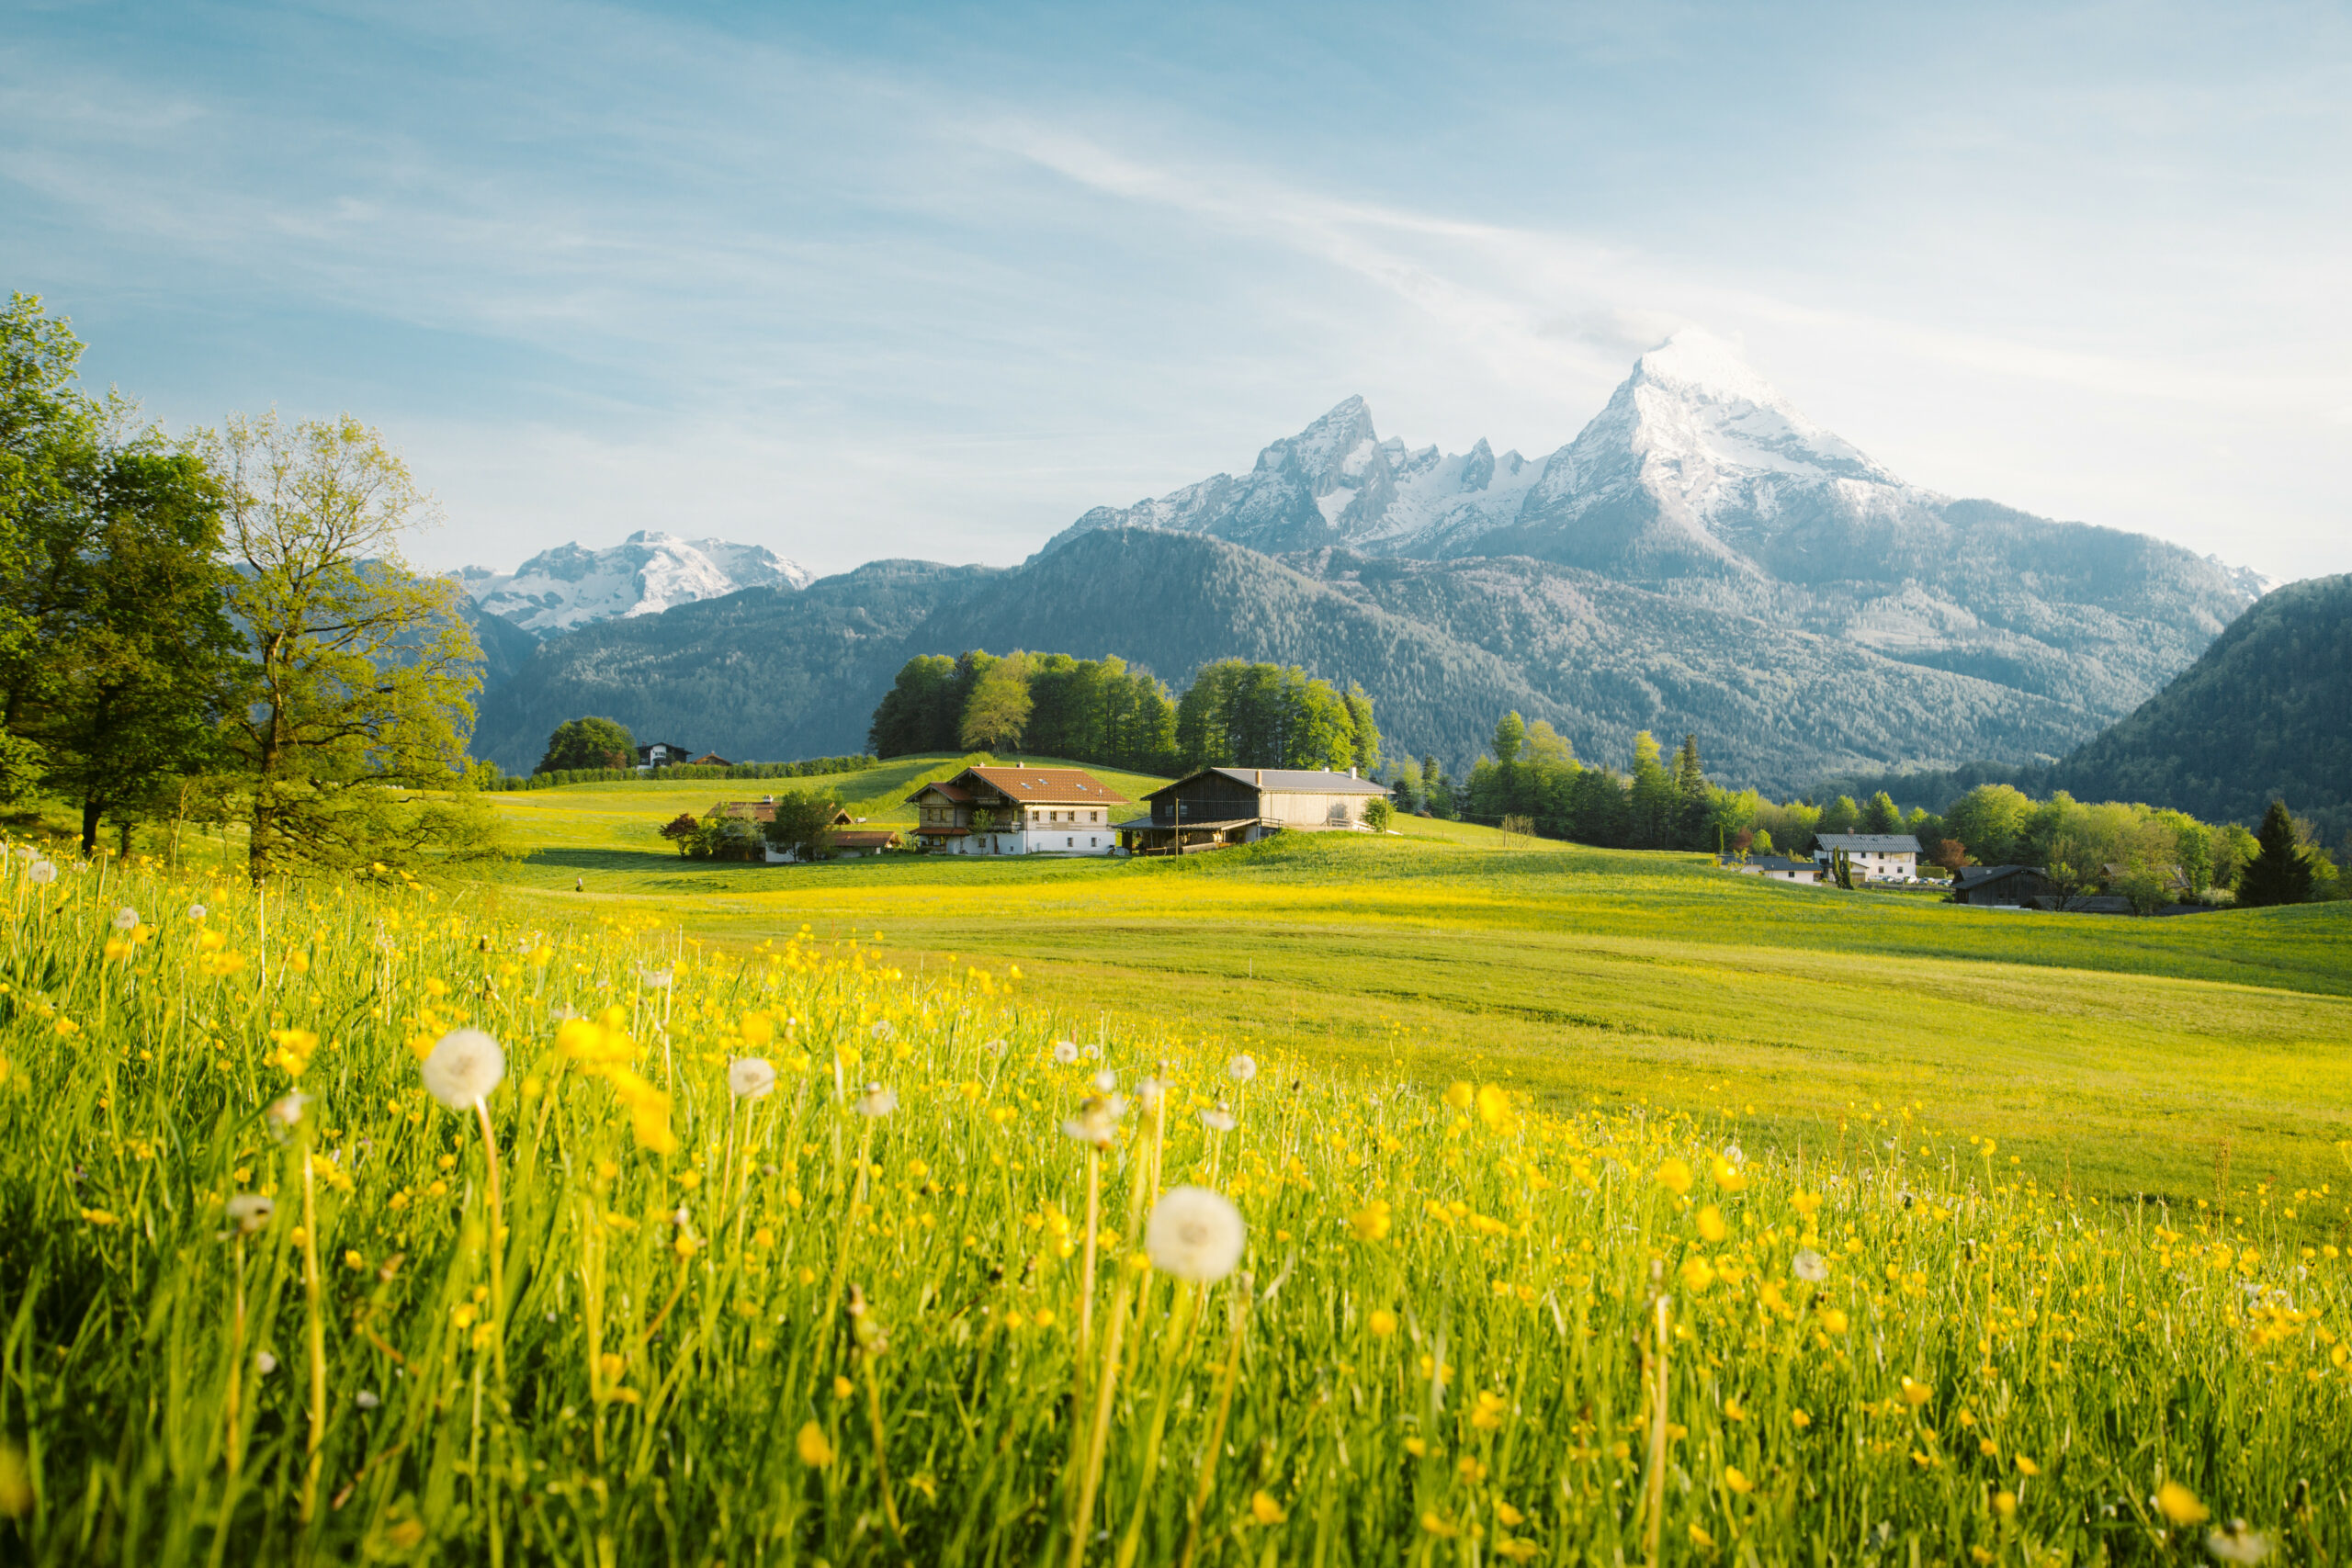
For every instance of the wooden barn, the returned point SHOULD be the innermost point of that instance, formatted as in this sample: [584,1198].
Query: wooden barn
[1215,807]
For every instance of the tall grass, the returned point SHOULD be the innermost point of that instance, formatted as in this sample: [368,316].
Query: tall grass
[830,1323]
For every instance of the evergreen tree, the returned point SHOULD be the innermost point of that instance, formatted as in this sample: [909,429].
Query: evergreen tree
[2280,872]
[1366,733]
[1653,797]
[923,711]
[1881,816]
[1694,801]
[1840,815]
[1510,733]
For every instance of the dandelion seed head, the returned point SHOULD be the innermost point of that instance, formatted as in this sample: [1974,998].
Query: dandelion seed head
[249,1212]
[1196,1235]
[1810,1266]
[264,1363]
[43,873]
[463,1068]
[877,1100]
[1242,1069]
[1065,1052]
[196,912]
[1105,1082]
[749,1077]
[125,919]
[1220,1120]
[366,1399]
[285,1112]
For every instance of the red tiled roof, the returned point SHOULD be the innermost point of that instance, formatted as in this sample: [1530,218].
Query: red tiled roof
[1053,786]
[866,838]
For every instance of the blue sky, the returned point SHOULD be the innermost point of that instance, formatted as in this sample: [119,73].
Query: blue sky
[859,280]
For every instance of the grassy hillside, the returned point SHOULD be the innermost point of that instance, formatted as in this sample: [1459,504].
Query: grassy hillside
[2125,1055]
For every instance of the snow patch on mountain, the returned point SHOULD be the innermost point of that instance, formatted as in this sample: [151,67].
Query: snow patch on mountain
[646,573]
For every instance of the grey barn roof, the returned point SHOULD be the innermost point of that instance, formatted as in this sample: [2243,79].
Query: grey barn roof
[1285,780]
[1866,843]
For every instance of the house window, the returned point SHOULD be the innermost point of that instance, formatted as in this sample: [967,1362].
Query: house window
[1069,843]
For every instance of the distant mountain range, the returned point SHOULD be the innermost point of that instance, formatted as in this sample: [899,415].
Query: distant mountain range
[1699,557]
[564,588]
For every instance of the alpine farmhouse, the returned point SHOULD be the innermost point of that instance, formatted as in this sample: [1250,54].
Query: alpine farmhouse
[1017,811]
[1220,806]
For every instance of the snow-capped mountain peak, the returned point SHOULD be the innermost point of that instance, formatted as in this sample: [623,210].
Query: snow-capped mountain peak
[1694,401]
[645,573]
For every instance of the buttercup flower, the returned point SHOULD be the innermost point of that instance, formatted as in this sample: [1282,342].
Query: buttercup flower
[1242,1069]
[750,1076]
[1196,1235]
[249,1212]
[464,1067]
[876,1101]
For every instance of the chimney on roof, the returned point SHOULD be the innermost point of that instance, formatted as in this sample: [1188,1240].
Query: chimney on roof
[1261,778]
[1351,772]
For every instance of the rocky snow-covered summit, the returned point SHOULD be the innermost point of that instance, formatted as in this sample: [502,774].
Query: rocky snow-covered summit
[1700,480]
[645,573]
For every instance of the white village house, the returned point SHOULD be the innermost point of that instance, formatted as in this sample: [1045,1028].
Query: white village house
[1875,857]
[1773,868]
[1017,811]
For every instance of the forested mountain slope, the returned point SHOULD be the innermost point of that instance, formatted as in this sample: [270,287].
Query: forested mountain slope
[2264,714]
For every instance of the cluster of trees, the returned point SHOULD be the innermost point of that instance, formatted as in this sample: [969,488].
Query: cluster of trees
[221,628]
[1534,777]
[602,751]
[1233,715]
[2152,856]
[802,826]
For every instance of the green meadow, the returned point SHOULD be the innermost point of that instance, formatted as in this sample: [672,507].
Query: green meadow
[2205,1056]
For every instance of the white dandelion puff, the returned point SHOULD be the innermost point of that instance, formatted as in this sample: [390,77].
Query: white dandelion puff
[1150,1092]
[1196,1235]
[284,1112]
[366,1399]
[751,1077]
[264,1363]
[43,873]
[1242,1069]
[1733,1156]
[1106,1080]
[249,1212]
[196,913]
[463,1068]
[2235,1542]
[877,1100]
[1097,1122]
[125,918]
[1220,1120]
[1810,1266]
[882,1029]
[994,1047]
[1065,1052]
[658,979]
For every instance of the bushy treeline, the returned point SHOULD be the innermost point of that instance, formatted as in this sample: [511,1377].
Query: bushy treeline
[1233,715]
[813,767]
[1532,778]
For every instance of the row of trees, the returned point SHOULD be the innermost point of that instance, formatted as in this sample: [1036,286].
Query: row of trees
[222,626]
[2150,855]
[1233,715]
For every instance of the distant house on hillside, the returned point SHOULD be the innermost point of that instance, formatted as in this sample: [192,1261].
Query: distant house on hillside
[1878,857]
[1773,868]
[1017,811]
[2016,886]
[1218,807]
[660,754]
[712,760]
[746,810]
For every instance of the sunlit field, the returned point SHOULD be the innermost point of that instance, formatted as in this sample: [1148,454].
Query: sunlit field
[2185,1058]
[783,1249]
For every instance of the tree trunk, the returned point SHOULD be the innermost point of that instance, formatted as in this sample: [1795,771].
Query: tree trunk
[92,808]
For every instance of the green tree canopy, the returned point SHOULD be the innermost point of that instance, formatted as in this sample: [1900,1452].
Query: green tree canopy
[360,673]
[1510,733]
[589,743]
[997,712]
[803,825]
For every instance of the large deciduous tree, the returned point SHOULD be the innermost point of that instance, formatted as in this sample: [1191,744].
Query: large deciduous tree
[360,673]
[589,743]
[115,652]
